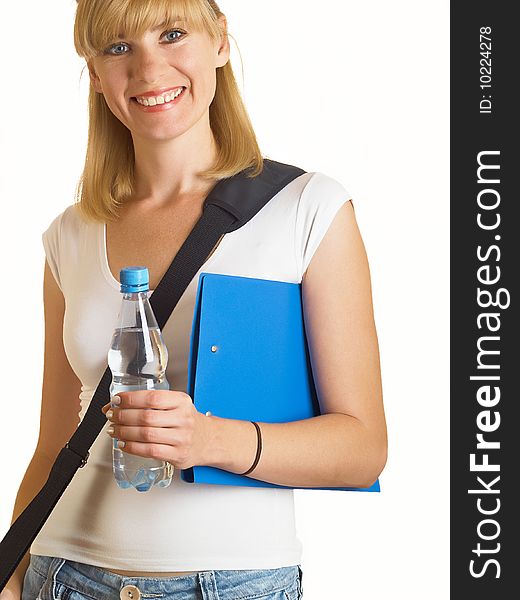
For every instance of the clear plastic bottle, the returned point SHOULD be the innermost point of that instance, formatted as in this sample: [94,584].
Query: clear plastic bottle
[137,359]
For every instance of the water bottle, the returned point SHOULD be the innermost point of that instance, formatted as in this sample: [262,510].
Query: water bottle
[137,359]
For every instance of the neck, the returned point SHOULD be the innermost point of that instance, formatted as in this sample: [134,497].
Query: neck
[166,169]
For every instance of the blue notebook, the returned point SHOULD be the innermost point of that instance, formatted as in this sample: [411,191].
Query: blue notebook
[249,360]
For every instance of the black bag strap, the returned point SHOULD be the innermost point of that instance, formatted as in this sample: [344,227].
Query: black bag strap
[230,204]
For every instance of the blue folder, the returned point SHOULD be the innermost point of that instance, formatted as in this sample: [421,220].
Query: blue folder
[249,360]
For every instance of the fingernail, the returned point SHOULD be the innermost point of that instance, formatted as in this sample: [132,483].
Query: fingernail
[120,444]
[110,430]
[116,400]
[110,414]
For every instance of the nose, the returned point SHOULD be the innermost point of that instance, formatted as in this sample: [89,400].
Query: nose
[150,67]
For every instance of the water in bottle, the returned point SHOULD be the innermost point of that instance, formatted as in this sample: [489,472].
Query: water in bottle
[137,359]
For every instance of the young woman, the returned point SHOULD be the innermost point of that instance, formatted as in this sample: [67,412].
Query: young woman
[166,123]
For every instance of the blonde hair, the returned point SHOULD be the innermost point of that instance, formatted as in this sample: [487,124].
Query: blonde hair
[107,180]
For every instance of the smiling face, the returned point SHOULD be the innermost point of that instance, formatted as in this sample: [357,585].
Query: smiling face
[180,58]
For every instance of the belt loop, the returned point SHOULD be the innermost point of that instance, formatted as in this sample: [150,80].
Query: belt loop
[208,585]
[300,580]
[55,567]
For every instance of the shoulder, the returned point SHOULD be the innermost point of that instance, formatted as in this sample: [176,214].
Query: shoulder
[314,192]
[303,185]
[319,202]
[68,221]
[322,189]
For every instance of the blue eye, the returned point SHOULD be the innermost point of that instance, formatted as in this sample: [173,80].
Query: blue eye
[120,44]
[174,31]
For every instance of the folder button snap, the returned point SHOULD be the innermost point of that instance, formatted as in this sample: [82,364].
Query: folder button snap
[214,348]
[130,592]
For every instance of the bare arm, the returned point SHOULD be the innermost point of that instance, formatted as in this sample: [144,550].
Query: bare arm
[60,408]
[346,445]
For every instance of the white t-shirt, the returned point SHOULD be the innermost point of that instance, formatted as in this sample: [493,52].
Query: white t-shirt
[184,527]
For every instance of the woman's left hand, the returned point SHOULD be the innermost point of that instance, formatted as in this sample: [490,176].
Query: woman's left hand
[174,431]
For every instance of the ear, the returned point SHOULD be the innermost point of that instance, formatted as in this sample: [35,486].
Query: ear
[94,79]
[224,49]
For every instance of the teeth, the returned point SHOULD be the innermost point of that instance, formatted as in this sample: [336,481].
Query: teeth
[153,100]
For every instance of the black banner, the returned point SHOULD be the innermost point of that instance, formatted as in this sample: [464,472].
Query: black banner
[485,250]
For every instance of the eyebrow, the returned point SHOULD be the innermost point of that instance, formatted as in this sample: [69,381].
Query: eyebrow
[160,26]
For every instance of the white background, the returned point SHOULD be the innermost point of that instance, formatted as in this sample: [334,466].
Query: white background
[357,90]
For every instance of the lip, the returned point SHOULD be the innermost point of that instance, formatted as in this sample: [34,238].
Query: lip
[157,92]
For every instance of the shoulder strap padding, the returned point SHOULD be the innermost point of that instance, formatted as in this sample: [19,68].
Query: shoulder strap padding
[243,196]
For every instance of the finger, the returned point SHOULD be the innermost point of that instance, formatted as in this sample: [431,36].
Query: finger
[150,435]
[106,407]
[161,399]
[146,417]
[157,451]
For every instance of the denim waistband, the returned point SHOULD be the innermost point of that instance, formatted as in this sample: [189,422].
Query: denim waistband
[94,582]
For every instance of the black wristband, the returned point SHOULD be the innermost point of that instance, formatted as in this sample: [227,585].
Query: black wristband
[258,449]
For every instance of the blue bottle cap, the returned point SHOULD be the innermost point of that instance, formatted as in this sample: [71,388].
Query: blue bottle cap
[134,279]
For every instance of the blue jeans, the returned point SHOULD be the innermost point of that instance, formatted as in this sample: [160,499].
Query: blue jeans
[51,578]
